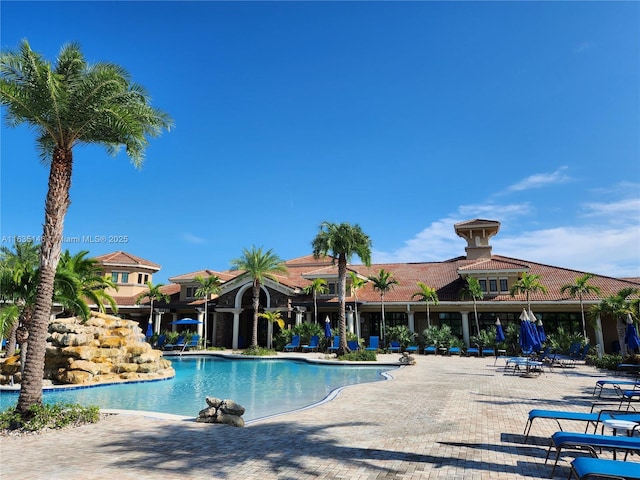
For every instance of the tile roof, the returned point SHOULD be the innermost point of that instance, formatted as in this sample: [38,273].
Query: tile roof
[121,258]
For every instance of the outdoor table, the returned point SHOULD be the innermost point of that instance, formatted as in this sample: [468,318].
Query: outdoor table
[616,424]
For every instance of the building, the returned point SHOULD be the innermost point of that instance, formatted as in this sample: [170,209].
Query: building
[230,313]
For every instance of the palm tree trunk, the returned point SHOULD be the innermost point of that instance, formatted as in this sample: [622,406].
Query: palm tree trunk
[475,316]
[428,316]
[256,306]
[342,280]
[584,325]
[11,340]
[56,207]
[382,330]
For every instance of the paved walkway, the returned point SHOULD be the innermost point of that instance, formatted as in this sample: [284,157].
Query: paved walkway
[443,418]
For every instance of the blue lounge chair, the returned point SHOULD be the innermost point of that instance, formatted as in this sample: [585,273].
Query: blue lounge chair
[193,343]
[430,349]
[162,339]
[394,347]
[294,345]
[585,467]
[600,384]
[353,345]
[314,343]
[560,440]
[454,351]
[179,343]
[373,343]
[488,351]
[592,418]
[413,348]
[473,351]
[336,344]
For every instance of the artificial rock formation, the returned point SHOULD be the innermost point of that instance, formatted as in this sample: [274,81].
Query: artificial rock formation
[103,349]
[222,411]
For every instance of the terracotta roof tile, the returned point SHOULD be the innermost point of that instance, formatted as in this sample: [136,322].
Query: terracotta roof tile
[121,258]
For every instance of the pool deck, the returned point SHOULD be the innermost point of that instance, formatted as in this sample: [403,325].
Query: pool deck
[443,418]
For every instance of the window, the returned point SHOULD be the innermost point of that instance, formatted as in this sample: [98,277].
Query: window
[454,320]
[332,288]
[504,286]
[493,285]
[146,278]
[483,284]
[139,278]
[125,277]
[114,277]
[190,291]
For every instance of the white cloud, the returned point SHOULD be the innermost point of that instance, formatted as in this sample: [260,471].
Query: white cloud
[540,180]
[623,208]
[190,238]
[492,210]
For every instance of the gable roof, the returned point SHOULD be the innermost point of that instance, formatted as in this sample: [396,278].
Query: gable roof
[124,259]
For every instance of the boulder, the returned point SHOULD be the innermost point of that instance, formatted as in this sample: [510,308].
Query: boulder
[213,402]
[231,407]
[233,420]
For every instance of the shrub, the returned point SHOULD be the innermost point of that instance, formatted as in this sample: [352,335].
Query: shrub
[400,333]
[486,338]
[259,351]
[360,356]
[56,415]
[561,341]
[607,362]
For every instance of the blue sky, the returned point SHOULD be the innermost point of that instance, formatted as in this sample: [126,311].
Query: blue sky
[401,117]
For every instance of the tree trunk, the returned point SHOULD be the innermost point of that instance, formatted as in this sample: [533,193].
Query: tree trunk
[11,340]
[621,328]
[56,206]
[256,307]
[382,329]
[342,280]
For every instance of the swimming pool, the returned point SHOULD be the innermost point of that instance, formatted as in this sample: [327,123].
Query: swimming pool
[263,386]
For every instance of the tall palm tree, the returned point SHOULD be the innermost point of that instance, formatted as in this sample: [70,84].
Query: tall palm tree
[68,104]
[356,284]
[342,241]
[528,284]
[318,286]
[272,317]
[208,286]
[426,294]
[259,266]
[154,293]
[383,283]
[472,290]
[618,306]
[90,283]
[578,289]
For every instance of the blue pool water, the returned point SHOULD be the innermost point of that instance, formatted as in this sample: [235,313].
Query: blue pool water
[263,386]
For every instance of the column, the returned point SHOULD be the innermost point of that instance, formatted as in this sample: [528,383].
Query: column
[599,337]
[201,319]
[157,319]
[236,328]
[299,317]
[465,328]
[350,321]
[269,334]
[214,329]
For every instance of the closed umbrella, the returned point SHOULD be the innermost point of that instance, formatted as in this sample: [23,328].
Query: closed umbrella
[542,336]
[499,332]
[149,333]
[631,336]
[327,327]
[528,340]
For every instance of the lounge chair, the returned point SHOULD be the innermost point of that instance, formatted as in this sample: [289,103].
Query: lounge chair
[581,441]
[314,343]
[373,343]
[454,351]
[592,418]
[193,343]
[179,343]
[353,345]
[413,349]
[294,345]
[488,352]
[585,467]
[600,384]
[336,344]
[569,361]
[162,339]
[430,349]
[473,351]
[394,347]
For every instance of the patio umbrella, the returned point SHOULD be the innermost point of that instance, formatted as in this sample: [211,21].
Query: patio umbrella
[149,330]
[327,327]
[528,340]
[499,332]
[631,336]
[542,336]
[186,321]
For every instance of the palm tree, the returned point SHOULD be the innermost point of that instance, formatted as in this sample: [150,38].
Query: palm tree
[67,104]
[208,286]
[527,284]
[426,294]
[90,283]
[356,284]
[342,241]
[154,293]
[272,317]
[580,288]
[259,266]
[318,286]
[383,283]
[618,306]
[472,290]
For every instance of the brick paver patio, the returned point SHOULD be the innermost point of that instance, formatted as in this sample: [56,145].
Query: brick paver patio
[443,418]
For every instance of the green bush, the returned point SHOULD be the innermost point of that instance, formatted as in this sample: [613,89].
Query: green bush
[400,333]
[259,352]
[441,337]
[607,362]
[486,338]
[360,356]
[56,415]
[560,341]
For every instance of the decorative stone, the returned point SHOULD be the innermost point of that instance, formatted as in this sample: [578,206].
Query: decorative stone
[233,420]
[87,366]
[213,402]
[407,359]
[231,407]
[222,411]
[208,412]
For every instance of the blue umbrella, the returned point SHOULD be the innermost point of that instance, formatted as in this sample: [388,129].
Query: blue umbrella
[499,332]
[149,329]
[327,328]
[631,337]
[186,321]
[528,337]
[539,327]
